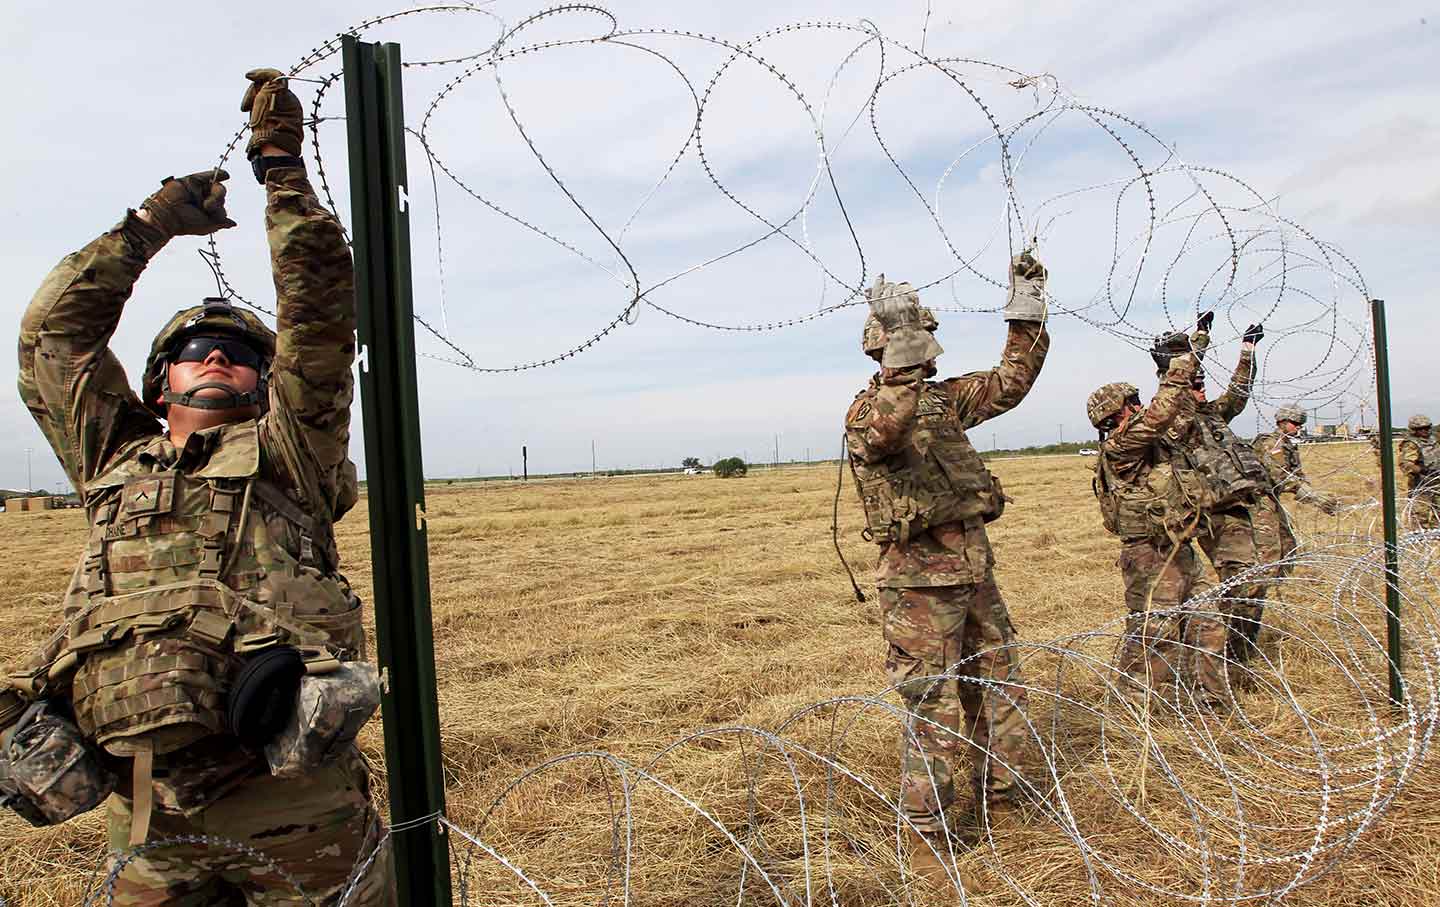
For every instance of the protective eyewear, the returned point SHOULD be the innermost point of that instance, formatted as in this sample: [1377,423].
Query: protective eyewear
[237,352]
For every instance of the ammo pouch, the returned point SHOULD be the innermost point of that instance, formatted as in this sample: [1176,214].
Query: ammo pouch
[331,709]
[49,772]
[903,500]
[1225,472]
[995,501]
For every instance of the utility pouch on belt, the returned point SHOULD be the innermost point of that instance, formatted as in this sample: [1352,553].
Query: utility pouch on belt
[331,709]
[49,772]
[995,504]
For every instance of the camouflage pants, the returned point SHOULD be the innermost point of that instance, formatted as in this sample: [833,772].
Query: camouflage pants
[1273,536]
[1182,643]
[928,630]
[314,828]
[1424,508]
[1228,538]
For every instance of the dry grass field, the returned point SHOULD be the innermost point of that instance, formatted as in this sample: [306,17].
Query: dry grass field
[620,615]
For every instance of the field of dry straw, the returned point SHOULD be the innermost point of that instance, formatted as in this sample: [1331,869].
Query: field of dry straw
[623,614]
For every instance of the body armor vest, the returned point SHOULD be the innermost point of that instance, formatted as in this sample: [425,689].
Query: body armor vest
[1214,470]
[1129,510]
[1291,480]
[1429,457]
[935,478]
[185,575]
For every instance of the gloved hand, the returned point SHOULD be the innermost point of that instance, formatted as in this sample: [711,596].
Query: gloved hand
[897,307]
[1026,301]
[191,205]
[1167,347]
[1205,321]
[1255,333]
[276,117]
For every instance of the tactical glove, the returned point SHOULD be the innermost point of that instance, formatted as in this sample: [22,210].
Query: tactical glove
[191,205]
[1167,347]
[1205,321]
[1255,333]
[1027,290]
[276,117]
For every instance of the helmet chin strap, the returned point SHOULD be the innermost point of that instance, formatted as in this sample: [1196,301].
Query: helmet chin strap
[235,400]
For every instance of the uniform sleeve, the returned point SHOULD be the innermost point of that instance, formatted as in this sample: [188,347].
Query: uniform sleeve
[69,379]
[1129,445]
[307,430]
[979,396]
[1231,403]
[878,422]
[1271,451]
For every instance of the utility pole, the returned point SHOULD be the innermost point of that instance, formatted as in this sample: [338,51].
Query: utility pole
[777,451]
[389,398]
[994,442]
[29,475]
[1062,433]
[524,463]
[592,458]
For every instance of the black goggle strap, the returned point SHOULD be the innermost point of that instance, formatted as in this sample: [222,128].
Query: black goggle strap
[235,400]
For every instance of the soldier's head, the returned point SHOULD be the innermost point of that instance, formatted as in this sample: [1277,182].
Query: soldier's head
[1289,419]
[1419,426]
[212,360]
[1111,404]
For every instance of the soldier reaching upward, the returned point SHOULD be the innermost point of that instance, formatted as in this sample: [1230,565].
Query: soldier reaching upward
[208,598]
[927,497]
[1157,561]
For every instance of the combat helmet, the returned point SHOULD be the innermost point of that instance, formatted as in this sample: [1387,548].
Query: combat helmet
[1290,414]
[1108,400]
[213,316]
[1419,423]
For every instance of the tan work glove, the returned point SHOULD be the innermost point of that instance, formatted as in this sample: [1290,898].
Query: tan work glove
[191,205]
[897,307]
[276,117]
[1026,301]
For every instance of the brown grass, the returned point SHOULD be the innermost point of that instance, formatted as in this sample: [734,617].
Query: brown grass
[623,614]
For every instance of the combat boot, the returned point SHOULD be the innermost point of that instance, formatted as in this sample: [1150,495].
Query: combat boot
[931,869]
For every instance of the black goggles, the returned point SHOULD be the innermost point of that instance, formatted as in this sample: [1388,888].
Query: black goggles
[237,352]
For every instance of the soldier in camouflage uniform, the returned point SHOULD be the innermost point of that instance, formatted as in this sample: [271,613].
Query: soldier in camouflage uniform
[1222,484]
[211,551]
[1281,457]
[1159,566]
[927,497]
[1420,463]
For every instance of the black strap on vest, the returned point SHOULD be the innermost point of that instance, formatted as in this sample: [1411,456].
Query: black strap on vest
[835,518]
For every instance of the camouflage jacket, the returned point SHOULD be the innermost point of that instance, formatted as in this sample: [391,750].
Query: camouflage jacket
[296,455]
[1231,403]
[880,420]
[1281,457]
[1132,461]
[1419,460]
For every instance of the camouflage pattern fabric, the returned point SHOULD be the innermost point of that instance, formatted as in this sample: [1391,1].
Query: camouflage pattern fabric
[1228,539]
[1274,537]
[162,515]
[1160,575]
[1419,463]
[316,827]
[1165,638]
[1273,532]
[928,631]
[939,599]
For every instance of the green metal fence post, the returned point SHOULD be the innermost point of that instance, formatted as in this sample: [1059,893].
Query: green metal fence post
[1387,492]
[380,235]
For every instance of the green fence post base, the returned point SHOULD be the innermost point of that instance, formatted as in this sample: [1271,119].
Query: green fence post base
[1387,493]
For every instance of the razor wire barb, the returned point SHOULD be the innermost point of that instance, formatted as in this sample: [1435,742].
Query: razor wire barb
[1183,238]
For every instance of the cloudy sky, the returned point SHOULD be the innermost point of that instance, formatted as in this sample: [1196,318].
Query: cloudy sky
[1329,118]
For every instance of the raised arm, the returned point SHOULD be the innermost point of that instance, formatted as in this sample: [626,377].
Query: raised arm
[72,383]
[1231,403]
[1130,444]
[879,421]
[984,395]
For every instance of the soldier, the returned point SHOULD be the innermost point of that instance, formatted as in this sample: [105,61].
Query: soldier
[1222,481]
[1159,566]
[1277,450]
[208,596]
[1420,462]
[927,496]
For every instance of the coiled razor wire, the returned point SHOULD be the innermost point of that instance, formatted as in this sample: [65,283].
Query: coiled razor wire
[1238,804]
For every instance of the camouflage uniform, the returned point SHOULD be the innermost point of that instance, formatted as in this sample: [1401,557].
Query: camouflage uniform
[1160,569]
[939,601]
[1273,531]
[231,535]
[1420,463]
[1227,533]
